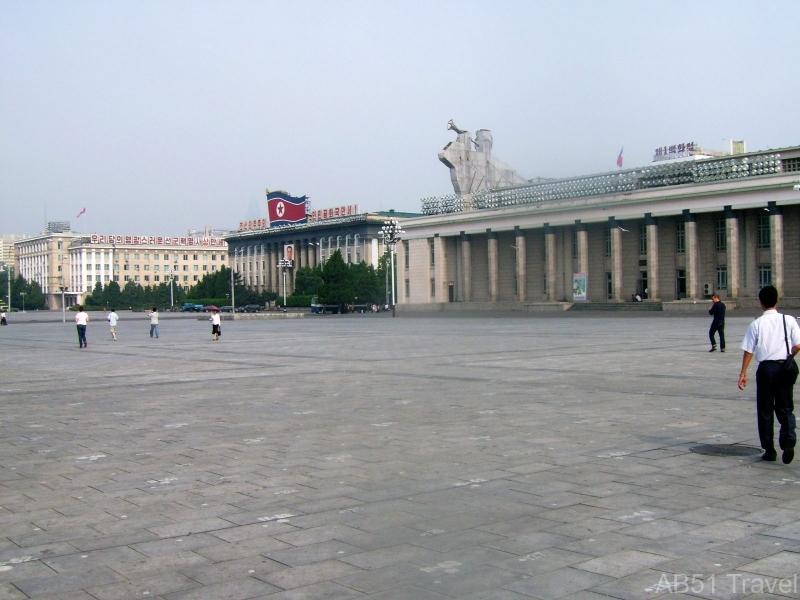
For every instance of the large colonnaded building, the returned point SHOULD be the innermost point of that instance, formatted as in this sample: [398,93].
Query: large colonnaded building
[673,232]
[61,258]
[256,249]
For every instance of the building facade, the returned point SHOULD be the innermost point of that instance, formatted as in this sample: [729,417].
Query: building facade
[255,253]
[77,262]
[668,232]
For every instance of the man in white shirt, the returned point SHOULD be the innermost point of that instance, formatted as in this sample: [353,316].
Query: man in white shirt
[153,314]
[112,321]
[766,340]
[81,319]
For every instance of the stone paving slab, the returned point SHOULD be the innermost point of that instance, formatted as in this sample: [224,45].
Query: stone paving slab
[359,456]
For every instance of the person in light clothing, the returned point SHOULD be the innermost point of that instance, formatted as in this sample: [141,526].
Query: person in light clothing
[153,314]
[112,321]
[81,319]
[215,325]
[765,338]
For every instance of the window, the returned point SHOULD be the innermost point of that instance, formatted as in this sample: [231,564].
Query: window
[127,267]
[222,257]
[156,278]
[157,268]
[195,278]
[186,278]
[155,256]
[721,238]
[575,244]
[127,257]
[60,245]
[213,267]
[433,288]
[59,268]
[408,288]
[98,267]
[722,278]
[205,267]
[147,256]
[764,275]
[147,277]
[127,278]
[763,232]
[608,242]
[136,278]
[136,267]
[147,267]
[106,267]
[433,254]
[680,237]
[544,283]
[205,256]
[185,257]
[194,256]
[196,267]
[213,257]
[136,256]
[88,267]
[185,267]
[88,278]
[642,239]
[405,251]
[609,286]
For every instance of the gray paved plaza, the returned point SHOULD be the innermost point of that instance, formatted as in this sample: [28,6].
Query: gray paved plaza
[361,456]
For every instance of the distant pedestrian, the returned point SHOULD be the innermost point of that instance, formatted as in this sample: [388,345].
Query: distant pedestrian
[112,320]
[3,320]
[81,319]
[215,325]
[153,314]
[717,311]
[772,338]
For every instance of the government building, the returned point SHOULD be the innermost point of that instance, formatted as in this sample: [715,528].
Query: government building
[672,233]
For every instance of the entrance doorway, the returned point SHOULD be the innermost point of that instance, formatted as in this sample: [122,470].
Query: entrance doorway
[680,284]
[451,292]
[641,285]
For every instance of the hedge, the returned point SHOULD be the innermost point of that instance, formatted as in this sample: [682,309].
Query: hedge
[295,301]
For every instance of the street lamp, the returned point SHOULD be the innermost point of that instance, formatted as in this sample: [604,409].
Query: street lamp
[284,264]
[391,232]
[63,306]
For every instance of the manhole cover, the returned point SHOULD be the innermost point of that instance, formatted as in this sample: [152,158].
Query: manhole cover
[726,450]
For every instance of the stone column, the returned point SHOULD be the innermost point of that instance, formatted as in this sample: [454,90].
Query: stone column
[522,280]
[732,252]
[616,260]
[550,252]
[440,269]
[273,267]
[653,288]
[494,266]
[776,246]
[466,267]
[583,248]
[692,275]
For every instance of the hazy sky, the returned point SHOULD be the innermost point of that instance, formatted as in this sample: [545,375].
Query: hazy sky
[158,116]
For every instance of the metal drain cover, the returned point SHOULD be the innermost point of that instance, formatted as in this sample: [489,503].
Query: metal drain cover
[726,450]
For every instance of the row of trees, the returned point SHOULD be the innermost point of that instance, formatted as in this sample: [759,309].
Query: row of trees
[24,294]
[334,283]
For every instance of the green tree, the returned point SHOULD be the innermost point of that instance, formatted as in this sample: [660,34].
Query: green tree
[133,295]
[95,299]
[112,295]
[337,288]
[364,283]
[307,281]
[34,298]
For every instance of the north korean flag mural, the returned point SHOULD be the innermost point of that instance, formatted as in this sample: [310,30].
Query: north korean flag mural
[285,210]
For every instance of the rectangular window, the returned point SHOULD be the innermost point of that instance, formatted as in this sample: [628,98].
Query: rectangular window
[98,267]
[609,286]
[213,257]
[196,268]
[763,232]
[88,278]
[544,283]
[408,288]
[544,248]
[764,275]
[433,254]
[642,239]
[205,256]
[127,267]
[156,278]
[60,245]
[185,257]
[155,256]
[147,256]
[136,267]
[88,267]
[195,277]
[136,278]
[147,277]
[608,242]
[405,252]
[213,267]
[433,288]
[136,256]
[205,267]
[186,278]
[575,244]
[680,237]
[147,267]
[194,256]
[185,267]
[722,278]
[222,257]
[127,278]
[127,257]
[157,268]
[721,237]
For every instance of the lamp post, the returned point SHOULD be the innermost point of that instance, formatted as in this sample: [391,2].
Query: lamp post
[63,306]
[391,232]
[284,264]
[233,295]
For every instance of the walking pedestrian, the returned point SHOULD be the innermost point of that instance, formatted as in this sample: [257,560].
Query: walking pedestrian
[717,312]
[112,321]
[81,319]
[153,314]
[215,325]
[3,320]
[773,338]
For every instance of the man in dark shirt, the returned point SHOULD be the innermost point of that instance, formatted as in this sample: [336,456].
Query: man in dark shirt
[717,311]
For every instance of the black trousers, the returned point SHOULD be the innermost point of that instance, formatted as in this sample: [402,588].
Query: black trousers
[715,327]
[774,395]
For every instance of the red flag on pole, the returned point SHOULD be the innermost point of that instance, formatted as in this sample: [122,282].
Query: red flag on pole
[619,158]
[80,213]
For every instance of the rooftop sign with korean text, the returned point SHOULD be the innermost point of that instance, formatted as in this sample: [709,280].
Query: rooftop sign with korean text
[145,240]
[333,213]
[676,151]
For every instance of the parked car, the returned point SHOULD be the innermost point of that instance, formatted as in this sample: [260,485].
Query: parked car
[226,309]
[191,307]
[249,308]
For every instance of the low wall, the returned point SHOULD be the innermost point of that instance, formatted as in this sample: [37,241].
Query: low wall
[255,316]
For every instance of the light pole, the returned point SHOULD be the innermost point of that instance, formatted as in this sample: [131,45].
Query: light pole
[233,295]
[63,306]
[23,301]
[284,264]
[391,234]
